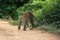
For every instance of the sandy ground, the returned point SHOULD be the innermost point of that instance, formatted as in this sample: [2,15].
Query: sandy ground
[9,32]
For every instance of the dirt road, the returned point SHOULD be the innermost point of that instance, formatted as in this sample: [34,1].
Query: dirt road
[9,32]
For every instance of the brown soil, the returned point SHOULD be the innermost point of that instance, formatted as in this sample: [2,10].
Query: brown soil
[9,32]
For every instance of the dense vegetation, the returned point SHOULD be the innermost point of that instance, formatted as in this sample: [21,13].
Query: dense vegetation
[46,11]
